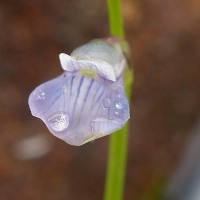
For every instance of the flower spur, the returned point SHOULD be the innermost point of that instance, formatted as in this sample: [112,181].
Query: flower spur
[88,100]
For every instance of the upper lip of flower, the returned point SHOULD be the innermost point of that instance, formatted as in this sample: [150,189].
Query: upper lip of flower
[102,67]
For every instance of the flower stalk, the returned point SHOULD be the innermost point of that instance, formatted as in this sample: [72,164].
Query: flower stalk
[118,142]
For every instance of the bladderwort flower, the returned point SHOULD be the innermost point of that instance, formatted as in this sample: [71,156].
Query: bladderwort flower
[88,100]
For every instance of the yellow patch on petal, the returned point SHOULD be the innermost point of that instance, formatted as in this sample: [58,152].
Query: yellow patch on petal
[88,72]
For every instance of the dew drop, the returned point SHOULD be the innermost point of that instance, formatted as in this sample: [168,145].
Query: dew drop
[120,109]
[119,105]
[106,102]
[58,121]
[117,113]
[40,95]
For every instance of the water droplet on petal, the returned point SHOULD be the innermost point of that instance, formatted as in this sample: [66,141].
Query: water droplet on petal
[119,105]
[106,102]
[40,95]
[117,113]
[119,109]
[58,121]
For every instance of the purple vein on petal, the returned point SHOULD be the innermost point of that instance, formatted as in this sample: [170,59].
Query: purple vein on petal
[78,92]
[86,96]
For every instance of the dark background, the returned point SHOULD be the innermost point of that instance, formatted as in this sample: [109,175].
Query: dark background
[165,40]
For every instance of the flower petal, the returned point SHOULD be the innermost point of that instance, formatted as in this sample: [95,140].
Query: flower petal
[103,68]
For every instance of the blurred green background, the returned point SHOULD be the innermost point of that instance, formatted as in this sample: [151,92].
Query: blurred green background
[165,40]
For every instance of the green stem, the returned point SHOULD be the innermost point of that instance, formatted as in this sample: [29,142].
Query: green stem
[118,144]
[116,165]
[115,18]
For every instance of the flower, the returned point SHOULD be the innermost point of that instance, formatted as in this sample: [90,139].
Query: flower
[88,100]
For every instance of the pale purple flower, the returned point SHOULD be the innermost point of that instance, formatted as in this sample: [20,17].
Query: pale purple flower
[88,100]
